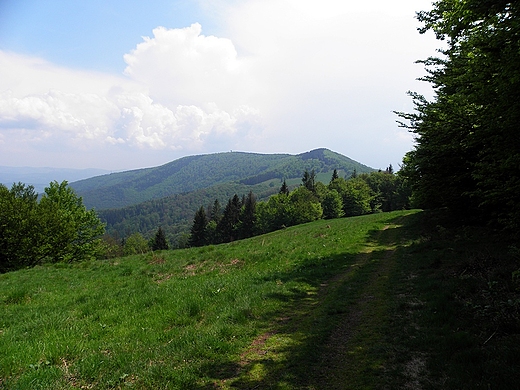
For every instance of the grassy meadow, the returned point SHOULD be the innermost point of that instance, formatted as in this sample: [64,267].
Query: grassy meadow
[386,300]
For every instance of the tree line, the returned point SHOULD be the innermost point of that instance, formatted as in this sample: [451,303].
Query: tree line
[244,217]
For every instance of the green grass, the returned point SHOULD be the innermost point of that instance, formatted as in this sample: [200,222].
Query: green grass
[377,301]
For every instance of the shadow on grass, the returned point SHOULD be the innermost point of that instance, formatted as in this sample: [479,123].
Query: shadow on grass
[292,354]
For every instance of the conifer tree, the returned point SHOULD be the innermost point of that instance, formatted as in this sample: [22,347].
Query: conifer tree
[198,233]
[309,180]
[334,175]
[159,241]
[284,189]
[248,216]
[228,226]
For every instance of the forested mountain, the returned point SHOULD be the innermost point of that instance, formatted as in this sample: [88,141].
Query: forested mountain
[140,201]
[193,173]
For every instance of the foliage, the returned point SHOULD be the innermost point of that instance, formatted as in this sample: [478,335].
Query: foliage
[467,154]
[58,228]
[135,244]
[332,205]
[20,233]
[194,173]
[309,180]
[159,241]
[246,218]
[199,231]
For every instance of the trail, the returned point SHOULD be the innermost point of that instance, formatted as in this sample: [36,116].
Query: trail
[345,359]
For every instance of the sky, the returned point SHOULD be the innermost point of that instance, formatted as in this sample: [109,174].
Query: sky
[127,84]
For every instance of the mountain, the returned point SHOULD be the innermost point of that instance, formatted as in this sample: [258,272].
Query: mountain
[193,173]
[135,201]
[41,177]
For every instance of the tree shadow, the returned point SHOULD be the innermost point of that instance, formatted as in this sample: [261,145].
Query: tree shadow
[294,353]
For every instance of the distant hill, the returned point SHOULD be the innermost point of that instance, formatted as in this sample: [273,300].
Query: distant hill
[135,201]
[193,173]
[41,177]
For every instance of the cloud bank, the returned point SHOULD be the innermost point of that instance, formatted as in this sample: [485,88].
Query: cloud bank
[171,98]
[283,76]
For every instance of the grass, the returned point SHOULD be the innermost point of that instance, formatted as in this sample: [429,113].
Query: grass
[381,301]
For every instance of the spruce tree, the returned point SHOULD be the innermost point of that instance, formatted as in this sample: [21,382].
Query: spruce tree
[284,189]
[248,216]
[334,175]
[309,180]
[229,224]
[159,241]
[198,233]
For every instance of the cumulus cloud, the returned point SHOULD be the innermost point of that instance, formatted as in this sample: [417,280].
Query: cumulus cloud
[183,66]
[44,103]
[290,75]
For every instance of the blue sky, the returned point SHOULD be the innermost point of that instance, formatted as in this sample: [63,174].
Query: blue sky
[127,84]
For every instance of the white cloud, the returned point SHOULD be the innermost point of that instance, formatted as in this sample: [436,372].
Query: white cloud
[289,76]
[182,66]
[83,111]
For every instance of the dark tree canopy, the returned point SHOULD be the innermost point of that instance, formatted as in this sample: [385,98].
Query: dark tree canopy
[198,233]
[467,156]
[159,241]
[309,180]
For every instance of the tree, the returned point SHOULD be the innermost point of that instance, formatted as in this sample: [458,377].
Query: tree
[216,211]
[159,241]
[20,234]
[355,194]
[198,232]
[248,216]
[305,207]
[228,226]
[332,205]
[383,186]
[467,153]
[334,175]
[72,232]
[135,244]
[58,228]
[284,189]
[309,180]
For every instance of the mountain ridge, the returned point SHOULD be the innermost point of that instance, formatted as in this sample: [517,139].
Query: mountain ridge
[192,173]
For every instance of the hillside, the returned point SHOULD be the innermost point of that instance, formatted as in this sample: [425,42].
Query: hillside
[193,173]
[395,300]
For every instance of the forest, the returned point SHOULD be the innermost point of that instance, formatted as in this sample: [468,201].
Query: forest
[244,217]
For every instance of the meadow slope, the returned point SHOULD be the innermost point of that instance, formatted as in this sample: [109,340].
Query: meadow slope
[383,301]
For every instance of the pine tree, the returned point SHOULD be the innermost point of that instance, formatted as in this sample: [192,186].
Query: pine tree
[228,226]
[334,175]
[159,241]
[198,233]
[309,180]
[216,212]
[284,189]
[248,216]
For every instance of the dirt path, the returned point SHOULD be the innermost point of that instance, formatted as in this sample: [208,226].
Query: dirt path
[345,359]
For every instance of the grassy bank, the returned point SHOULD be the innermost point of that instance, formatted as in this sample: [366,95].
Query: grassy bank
[379,301]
